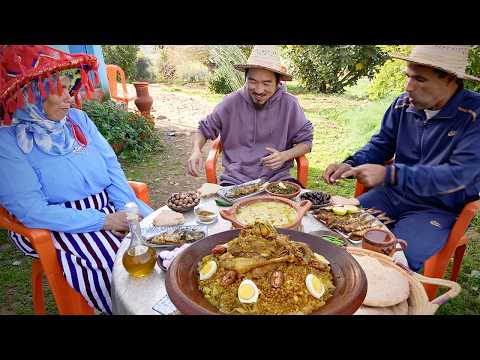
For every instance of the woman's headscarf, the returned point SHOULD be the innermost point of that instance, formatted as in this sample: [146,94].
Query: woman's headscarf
[21,65]
[32,124]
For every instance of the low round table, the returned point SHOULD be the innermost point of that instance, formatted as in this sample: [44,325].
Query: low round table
[137,296]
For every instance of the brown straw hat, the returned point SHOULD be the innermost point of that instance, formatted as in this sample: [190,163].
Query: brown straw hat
[450,58]
[265,57]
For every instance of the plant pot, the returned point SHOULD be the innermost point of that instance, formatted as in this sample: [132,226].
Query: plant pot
[143,101]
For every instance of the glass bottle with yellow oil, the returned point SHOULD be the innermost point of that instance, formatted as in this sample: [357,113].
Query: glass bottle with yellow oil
[139,259]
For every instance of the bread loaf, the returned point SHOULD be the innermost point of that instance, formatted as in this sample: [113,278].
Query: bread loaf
[168,218]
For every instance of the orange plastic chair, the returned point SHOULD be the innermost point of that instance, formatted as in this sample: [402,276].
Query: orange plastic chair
[216,149]
[67,299]
[436,266]
[112,72]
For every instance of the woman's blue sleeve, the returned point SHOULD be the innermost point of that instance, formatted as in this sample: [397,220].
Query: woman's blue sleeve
[21,195]
[119,192]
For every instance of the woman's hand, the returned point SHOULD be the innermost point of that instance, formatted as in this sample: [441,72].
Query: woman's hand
[119,234]
[116,222]
[122,234]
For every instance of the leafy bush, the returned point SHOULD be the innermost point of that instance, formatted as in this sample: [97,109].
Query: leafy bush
[330,68]
[192,71]
[225,78]
[473,68]
[390,80]
[217,83]
[124,56]
[134,131]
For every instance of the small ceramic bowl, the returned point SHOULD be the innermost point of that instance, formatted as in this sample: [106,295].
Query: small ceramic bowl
[205,215]
[288,184]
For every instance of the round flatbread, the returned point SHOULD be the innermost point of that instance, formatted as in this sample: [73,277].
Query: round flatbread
[399,309]
[386,286]
[208,189]
[168,217]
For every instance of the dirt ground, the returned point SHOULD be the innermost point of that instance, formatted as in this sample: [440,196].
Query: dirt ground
[176,118]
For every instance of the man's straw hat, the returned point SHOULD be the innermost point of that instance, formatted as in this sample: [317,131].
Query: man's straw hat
[265,57]
[450,58]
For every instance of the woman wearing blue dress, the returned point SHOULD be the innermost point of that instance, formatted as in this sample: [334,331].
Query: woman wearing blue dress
[57,171]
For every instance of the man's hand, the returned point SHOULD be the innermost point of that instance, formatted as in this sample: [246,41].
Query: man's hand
[370,175]
[275,160]
[334,172]
[194,163]
[116,222]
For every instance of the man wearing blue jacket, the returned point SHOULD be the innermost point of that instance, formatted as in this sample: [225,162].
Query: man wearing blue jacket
[433,131]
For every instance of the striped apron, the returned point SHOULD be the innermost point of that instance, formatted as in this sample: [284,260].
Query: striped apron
[86,258]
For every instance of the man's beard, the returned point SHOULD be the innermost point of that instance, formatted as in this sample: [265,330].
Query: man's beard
[259,106]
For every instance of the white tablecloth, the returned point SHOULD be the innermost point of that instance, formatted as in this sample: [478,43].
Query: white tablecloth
[137,296]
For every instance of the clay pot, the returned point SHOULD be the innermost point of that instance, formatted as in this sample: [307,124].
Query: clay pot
[382,241]
[286,196]
[182,284]
[143,101]
[301,208]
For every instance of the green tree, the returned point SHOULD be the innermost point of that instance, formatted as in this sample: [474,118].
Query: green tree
[330,68]
[389,81]
[143,70]
[124,56]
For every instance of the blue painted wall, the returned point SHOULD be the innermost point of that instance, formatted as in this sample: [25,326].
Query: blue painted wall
[95,50]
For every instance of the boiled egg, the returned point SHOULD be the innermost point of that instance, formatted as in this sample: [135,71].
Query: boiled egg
[248,292]
[314,286]
[207,270]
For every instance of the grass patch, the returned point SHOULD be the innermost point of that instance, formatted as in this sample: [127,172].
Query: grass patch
[359,90]
[360,124]
[15,282]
